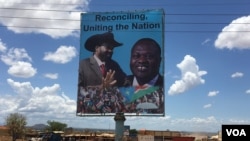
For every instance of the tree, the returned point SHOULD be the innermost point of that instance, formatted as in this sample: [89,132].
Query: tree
[56,126]
[16,123]
[133,132]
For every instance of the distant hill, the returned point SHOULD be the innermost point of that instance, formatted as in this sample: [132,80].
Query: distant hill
[199,135]
[39,127]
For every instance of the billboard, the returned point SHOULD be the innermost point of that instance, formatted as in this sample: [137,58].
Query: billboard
[121,63]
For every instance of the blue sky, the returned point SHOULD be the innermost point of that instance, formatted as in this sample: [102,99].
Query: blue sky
[206,62]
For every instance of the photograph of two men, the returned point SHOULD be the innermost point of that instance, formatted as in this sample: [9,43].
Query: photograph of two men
[121,63]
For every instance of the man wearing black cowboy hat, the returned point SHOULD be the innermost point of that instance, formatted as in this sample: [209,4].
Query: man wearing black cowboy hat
[93,69]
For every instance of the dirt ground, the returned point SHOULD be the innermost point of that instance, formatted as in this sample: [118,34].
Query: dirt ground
[8,138]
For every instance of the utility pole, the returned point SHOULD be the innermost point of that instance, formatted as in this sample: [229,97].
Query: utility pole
[119,126]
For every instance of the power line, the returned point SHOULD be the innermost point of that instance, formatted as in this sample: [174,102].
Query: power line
[54,10]
[201,23]
[166,23]
[39,27]
[33,18]
[138,4]
[177,31]
[77,20]
[186,14]
[167,14]
[36,3]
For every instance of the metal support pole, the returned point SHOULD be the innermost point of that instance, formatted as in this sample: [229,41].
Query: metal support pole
[119,126]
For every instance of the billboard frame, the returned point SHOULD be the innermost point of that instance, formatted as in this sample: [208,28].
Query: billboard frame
[140,24]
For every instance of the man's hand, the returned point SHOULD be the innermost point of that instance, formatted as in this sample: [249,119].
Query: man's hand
[108,81]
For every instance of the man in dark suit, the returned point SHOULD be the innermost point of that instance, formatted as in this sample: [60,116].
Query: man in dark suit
[97,71]
[145,62]
[90,71]
[145,80]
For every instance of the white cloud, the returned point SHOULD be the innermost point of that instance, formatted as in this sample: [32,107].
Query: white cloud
[14,55]
[8,104]
[22,69]
[3,47]
[213,93]
[23,89]
[207,106]
[235,35]
[191,76]
[206,41]
[19,64]
[248,91]
[62,55]
[238,121]
[53,18]
[35,101]
[197,124]
[51,75]
[237,75]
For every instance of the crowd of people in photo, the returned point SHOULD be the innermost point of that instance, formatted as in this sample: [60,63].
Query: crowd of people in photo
[95,100]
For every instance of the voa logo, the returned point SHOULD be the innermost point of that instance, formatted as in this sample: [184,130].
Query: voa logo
[236,132]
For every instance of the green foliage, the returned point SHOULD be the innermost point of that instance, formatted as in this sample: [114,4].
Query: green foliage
[56,126]
[16,123]
[133,132]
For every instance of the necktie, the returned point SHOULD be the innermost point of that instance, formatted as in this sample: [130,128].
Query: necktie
[103,70]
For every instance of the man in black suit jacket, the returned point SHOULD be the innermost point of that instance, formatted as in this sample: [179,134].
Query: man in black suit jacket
[102,46]
[91,97]
[145,63]
[146,80]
